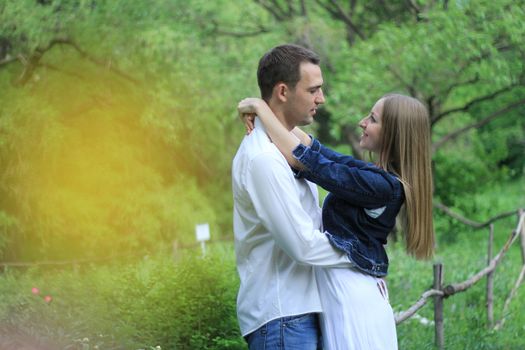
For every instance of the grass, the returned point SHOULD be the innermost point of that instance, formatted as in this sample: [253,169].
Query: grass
[190,304]
[465,314]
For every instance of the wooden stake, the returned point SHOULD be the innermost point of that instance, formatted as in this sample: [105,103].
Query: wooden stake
[511,295]
[439,336]
[520,230]
[522,236]
[490,281]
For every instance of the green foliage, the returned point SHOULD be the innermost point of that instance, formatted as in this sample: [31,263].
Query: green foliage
[8,224]
[91,176]
[118,126]
[466,64]
[147,98]
[479,207]
[122,143]
[189,305]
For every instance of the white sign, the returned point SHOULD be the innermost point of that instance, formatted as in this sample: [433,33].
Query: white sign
[202,231]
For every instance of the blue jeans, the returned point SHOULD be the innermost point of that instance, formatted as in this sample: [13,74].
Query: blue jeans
[300,332]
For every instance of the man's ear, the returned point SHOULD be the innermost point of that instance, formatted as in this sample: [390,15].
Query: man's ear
[280,91]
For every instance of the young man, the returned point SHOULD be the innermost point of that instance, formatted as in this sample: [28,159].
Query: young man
[277,219]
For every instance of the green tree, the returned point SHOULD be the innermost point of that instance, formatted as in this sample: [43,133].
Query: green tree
[118,119]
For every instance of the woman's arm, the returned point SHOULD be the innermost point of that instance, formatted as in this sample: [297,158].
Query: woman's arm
[358,182]
[302,136]
[285,140]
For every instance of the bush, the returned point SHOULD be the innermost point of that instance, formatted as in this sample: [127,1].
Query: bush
[154,302]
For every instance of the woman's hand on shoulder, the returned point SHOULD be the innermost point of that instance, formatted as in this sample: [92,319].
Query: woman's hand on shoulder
[248,119]
[248,108]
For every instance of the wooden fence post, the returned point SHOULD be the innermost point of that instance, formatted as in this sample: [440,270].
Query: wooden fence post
[522,236]
[439,336]
[490,281]
[520,230]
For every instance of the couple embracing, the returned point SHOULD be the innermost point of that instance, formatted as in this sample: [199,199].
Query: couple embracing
[313,278]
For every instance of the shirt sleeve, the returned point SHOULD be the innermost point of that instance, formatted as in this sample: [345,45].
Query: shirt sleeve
[358,182]
[275,196]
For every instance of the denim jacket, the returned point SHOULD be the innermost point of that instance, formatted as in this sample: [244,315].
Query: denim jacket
[361,208]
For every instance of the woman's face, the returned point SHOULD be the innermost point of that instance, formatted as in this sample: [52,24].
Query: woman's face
[371,125]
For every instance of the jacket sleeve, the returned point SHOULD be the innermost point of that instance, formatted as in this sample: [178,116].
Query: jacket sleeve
[358,182]
[335,156]
[275,197]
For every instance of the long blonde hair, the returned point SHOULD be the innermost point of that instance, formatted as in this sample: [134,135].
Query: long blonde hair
[405,151]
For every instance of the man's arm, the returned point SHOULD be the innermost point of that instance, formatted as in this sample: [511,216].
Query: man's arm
[274,194]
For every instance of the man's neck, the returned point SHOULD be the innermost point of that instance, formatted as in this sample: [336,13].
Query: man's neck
[279,113]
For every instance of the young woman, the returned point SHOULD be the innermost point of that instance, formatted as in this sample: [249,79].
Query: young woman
[361,210]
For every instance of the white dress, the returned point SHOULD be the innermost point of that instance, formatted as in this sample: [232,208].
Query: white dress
[356,312]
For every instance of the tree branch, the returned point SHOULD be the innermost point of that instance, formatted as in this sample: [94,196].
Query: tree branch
[33,60]
[281,8]
[418,305]
[469,104]
[410,87]
[290,9]
[352,5]
[304,12]
[353,140]
[337,12]
[476,125]
[413,7]
[500,47]
[278,14]
[261,30]
[472,223]
[55,68]
[8,60]
[107,64]
[447,91]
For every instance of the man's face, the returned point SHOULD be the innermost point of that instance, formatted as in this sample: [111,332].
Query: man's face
[302,102]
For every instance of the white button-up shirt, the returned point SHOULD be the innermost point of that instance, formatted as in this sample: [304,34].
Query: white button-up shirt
[277,223]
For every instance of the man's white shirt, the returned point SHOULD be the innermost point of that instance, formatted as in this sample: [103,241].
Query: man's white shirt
[277,228]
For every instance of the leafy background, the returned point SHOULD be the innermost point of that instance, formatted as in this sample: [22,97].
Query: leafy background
[118,126]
